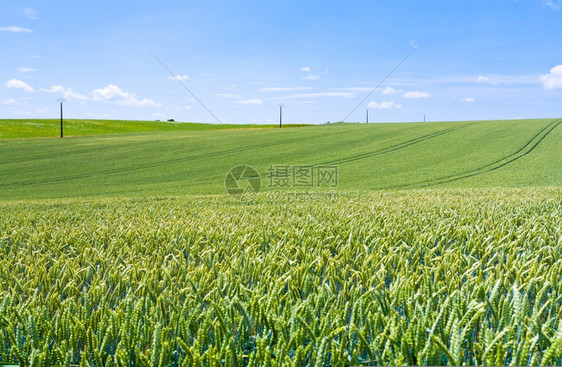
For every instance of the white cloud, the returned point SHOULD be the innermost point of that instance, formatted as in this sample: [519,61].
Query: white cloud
[43,110]
[416,94]
[114,94]
[306,68]
[468,99]
[179,77]
[11,101]
[303,102]
[283,89]
[552,4]
[30,13]
[184,108]
[484,79]
[508,79]
[383,105]
[251,101]
[26,70]
[18,84]
[356,89]
[389,90]
[228,95]
[320,94]
[66,92]
[414,44]
[15,29]
[554,79]
[310,77]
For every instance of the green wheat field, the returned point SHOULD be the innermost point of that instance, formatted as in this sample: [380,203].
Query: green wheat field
[441,244]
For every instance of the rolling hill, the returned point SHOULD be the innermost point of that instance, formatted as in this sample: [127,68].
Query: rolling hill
[169,160]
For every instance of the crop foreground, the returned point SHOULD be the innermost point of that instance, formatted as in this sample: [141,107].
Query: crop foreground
[412,277]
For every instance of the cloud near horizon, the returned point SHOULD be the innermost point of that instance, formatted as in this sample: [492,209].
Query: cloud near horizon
[66,92]
[283,89]
[554,79]
[114,94]
[11,101]
[319,94]
[390,90]
[18,84]
[383,105]
[250,101]
[179,77]
[26,70]
[415,94]
[15,29]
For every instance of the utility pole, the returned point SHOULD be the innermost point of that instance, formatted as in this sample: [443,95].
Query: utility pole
[424,117]
[280,115]
[61,101]
[367,117]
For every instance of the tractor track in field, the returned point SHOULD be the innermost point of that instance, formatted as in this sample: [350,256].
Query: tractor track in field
[95,148]
[46,156]
[527,148]
[80,150]
[74,150]
[395,147]
[156,164]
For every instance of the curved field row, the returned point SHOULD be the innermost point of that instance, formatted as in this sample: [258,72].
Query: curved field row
[392,148]
[527,148]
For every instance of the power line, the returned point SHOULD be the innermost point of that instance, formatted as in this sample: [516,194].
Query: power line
[193,95]
[364,99]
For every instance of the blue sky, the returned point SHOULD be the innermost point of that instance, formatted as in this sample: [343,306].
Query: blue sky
[493,59]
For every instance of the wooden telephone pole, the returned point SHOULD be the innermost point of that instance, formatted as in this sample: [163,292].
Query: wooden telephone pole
[61,101]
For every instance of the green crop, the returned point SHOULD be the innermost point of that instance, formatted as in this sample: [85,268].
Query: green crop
[418,277]
[518,153]
[43,128]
